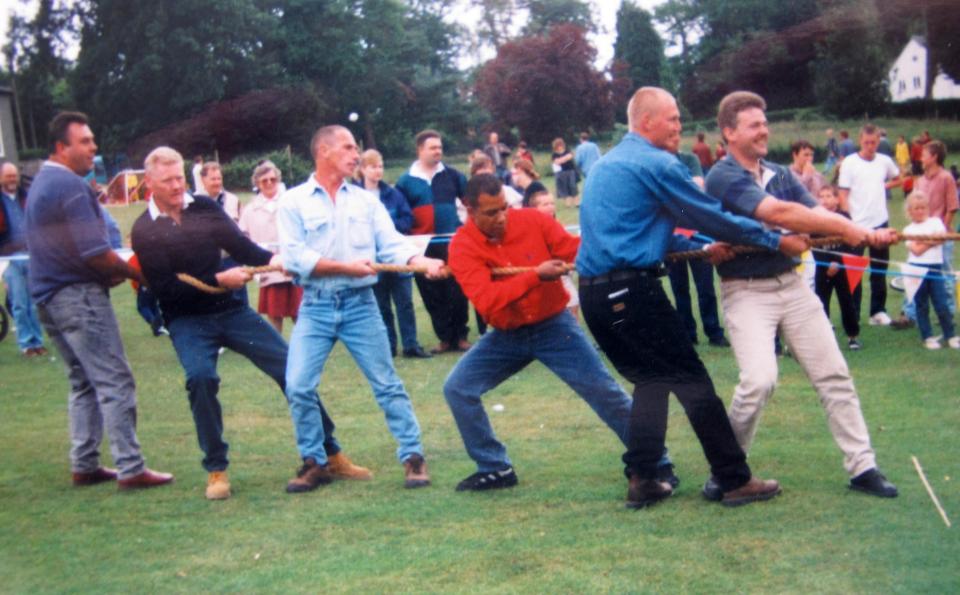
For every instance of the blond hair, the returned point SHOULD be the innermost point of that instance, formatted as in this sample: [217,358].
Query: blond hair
[161,156]
[915,197]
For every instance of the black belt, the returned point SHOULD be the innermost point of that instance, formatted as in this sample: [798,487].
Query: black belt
[624,275]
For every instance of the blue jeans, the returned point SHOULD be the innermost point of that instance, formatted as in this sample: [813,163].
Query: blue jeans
[197,340]
[706,297]
[81,324]
[399,287]
[351,316]
[910,309]
[29,333]
[562,346]
[934,290]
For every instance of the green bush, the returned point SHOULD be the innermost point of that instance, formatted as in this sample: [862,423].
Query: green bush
[237,173]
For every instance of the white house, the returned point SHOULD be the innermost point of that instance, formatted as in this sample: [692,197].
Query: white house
[908,75]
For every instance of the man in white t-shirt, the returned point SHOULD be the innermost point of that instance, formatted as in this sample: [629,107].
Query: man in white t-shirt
[863,193]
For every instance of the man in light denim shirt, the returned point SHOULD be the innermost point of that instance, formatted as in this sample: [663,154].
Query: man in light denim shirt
[330,233]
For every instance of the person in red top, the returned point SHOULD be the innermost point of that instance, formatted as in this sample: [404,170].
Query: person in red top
[528,313]
[702,151]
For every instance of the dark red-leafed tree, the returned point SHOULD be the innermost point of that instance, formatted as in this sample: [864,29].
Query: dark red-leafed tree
[546,86]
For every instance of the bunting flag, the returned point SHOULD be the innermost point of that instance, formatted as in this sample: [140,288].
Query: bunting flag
[854,266]
[912,278]
[687,233]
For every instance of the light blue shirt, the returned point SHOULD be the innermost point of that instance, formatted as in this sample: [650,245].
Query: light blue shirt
[355,226]
[586,155]
[635,196]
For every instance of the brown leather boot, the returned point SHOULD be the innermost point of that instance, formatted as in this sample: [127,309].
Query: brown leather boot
[753,491]
[309,477]
[646,492]
[415,472]
[341,467]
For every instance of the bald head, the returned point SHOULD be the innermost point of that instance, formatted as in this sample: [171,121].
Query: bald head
[653,114]
[9,178]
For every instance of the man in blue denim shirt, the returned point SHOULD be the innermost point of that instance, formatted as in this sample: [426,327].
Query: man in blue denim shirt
[330,233]
[635,196]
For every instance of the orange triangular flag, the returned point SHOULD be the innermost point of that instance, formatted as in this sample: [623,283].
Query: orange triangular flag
[687,233]
[854,266]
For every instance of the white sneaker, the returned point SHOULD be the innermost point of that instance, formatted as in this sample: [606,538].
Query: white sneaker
[880,319]
[954,342]
[932,343]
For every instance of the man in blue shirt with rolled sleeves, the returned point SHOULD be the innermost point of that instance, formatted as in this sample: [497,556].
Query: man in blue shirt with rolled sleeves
[636,194]
[330,234]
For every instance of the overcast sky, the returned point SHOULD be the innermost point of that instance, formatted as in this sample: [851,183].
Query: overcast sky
[606,10]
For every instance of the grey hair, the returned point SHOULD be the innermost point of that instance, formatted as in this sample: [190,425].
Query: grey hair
[263,169]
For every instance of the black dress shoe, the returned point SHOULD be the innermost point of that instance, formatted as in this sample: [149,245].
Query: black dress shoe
[874,483]
[712,491]
[417,352]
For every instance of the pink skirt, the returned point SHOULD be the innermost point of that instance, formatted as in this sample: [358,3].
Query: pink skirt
[280,300]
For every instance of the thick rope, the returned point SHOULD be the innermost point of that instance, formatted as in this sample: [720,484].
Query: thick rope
[516,270]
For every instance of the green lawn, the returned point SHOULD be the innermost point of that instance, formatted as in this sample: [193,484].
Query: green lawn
[563,529]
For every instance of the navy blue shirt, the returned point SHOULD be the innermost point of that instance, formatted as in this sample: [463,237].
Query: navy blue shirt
[740,194]
[636,194]
[65,227]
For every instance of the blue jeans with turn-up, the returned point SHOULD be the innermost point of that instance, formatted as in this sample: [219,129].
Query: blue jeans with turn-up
[562,346]
[351,316]
[197,340]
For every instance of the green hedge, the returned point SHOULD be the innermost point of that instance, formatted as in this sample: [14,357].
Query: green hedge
[237,173]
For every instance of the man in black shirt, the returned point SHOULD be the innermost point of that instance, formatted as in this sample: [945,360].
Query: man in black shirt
[180,234]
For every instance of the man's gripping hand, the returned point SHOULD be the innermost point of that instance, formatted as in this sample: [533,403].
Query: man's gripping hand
[551,270]
[719,252]
[234,278]
[436,268]
[357,268]
[794,245]
[878,238]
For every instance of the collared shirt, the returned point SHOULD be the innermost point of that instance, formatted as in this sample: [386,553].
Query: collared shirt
[512,301]
[155,212]
[941,191]
[636,195]
[432,197]
[741,192]
[355,226]
[65,228]
[165,248]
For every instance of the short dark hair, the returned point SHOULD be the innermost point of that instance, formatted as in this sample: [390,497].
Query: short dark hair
[57,130]
[937,149]
[700,136]
[488,184]
[425,135]
[799,145]
[844,134]
[734,103]
[207,167]
[870,129]
[584,136]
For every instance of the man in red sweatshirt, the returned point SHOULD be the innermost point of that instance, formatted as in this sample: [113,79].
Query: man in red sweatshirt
[530,320]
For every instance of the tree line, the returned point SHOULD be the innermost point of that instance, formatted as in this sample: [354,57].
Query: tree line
[254,75]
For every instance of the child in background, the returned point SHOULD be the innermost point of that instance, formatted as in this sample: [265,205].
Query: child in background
[930,256]
[544,202]
[830,278]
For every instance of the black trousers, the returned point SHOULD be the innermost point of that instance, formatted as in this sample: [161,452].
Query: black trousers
[641,333]
[849,312]
[878,278]
[444,301]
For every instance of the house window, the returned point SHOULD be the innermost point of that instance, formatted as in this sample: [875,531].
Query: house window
[902,87]
[916,82]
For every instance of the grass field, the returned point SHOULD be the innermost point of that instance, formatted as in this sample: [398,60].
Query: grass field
[563,529]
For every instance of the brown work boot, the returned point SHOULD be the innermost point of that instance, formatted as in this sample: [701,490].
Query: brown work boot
[753,491]
[415,472]
[341,467]
[309,477]
[218,486]
[646,492]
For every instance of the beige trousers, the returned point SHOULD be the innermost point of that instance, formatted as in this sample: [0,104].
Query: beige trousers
[753,310]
